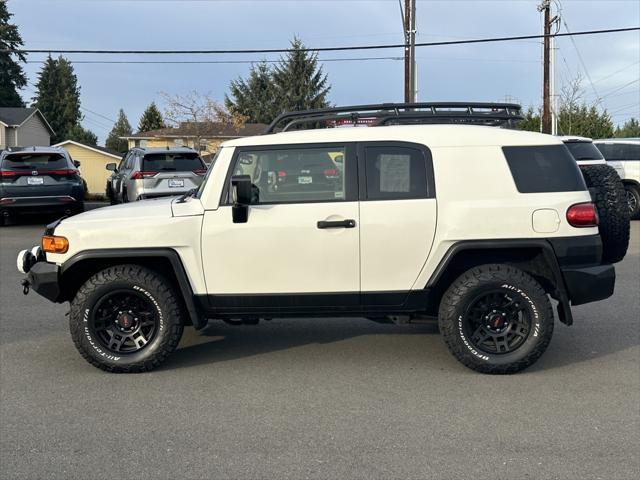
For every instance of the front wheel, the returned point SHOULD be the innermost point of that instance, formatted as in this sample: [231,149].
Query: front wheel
[126,319]
[496,319]
[633,201]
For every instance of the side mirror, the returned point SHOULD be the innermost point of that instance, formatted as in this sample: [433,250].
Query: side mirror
[76,163]
[241,197]
[111,167]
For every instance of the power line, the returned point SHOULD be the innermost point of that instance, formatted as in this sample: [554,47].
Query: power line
[319,49]
[222,62]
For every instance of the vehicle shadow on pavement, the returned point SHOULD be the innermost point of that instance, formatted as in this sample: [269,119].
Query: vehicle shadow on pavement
[219,342]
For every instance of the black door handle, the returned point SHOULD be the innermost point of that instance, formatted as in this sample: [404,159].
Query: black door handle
[337,224]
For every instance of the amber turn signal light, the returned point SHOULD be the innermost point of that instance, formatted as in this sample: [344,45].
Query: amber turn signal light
[55,244]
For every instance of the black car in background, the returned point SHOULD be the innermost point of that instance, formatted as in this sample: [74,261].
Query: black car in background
[39,180]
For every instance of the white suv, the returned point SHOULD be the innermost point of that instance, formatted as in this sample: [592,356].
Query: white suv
[476,226]
[623,154]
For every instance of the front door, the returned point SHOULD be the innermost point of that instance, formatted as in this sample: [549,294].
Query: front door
[300,245]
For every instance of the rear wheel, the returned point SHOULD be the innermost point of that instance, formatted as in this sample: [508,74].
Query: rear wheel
[610,200]
[633,201]
[126,319]
[496,319]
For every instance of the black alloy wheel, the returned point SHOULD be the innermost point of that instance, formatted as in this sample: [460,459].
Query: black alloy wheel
[124,321]
[496,322]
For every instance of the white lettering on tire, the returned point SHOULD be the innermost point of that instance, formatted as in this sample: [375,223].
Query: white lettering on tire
[464,340]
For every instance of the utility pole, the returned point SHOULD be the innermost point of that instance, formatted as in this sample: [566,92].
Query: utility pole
[546,97]
[409,28]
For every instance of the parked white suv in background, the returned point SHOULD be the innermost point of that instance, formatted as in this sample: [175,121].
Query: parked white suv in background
[472,225]
[623,154]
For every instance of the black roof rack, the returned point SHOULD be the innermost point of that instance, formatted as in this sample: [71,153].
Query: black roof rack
[492,114]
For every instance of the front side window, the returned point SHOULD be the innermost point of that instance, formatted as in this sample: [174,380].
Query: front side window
[395,173]
[295,175]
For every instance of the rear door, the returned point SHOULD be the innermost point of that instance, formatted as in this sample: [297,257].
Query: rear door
[37,174]
[397,218]
[300,245]
[171,173]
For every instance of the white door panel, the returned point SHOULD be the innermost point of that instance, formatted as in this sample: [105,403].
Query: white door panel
[281,250]
[396,238]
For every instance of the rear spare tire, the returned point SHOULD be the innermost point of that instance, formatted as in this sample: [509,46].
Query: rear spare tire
[610,199]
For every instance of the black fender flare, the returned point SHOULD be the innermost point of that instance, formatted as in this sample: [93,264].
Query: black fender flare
[549,255]
[169,254]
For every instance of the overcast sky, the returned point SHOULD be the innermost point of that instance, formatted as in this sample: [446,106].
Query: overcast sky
[481,72]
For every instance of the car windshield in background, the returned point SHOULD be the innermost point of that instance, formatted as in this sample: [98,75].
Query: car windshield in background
[619,151]
[584,151]
[38,161]
[173,162]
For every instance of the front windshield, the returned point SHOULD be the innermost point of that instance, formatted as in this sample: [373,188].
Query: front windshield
[584,151]
[211,167]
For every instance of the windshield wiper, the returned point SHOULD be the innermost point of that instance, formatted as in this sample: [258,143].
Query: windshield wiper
[185,195]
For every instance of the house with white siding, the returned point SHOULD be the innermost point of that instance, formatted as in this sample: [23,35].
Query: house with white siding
[23,127]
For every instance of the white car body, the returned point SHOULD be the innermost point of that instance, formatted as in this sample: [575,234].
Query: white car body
[626,160]
[397,246]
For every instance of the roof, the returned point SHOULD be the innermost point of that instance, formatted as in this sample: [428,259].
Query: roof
[95,148]
[632,140]
[202,129]
[430,135]
[165,149]
[25,150]
[16,116]
[574,138]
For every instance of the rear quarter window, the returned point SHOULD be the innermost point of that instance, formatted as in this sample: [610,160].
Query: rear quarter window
[546,168]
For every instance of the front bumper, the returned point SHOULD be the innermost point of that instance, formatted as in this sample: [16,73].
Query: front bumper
[44,278]
[589,284]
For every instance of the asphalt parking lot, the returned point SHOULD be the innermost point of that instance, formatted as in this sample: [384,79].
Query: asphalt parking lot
[329,398]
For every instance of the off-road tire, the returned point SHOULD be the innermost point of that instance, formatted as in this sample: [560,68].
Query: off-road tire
[134,278]
[518,285]
[610,199]
[635,191]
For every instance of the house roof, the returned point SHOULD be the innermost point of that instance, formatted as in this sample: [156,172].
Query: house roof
[16,116]
[202,129]
[95,148]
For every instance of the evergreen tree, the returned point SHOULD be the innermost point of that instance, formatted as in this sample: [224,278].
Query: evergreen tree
[12,77]
[573,119]
[151,119]
[82,135]
[300,83]
[58,96]
[255,98]
[121,128]
[630,128]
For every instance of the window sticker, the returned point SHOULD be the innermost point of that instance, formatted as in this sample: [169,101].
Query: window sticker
[394,173]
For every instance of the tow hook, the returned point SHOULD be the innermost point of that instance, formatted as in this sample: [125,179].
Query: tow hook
[25,286]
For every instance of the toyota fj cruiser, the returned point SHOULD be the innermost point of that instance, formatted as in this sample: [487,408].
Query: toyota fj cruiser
[432,213]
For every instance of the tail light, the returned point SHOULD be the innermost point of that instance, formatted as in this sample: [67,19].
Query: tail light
[331,173]
[282,174]
[13,173]
[582,215]
[201,172]
[141,175]
[63,172]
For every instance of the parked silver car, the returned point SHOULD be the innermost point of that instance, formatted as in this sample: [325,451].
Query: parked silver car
[155,172]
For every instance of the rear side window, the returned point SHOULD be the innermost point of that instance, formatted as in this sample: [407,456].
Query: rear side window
[547,168]
[395,173]
[36,161]
[619,151]
[178,162]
